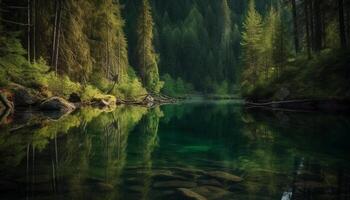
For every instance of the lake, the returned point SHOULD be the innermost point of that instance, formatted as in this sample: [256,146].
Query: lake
[193,150]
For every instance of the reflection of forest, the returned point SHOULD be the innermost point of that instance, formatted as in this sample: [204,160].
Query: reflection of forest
[148,140]
[70,155]
[296,169]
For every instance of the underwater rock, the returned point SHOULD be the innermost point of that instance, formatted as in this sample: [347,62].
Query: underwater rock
[224,176]
[189,194]
[211,182]
[136,188]
[105,187]
[211,192]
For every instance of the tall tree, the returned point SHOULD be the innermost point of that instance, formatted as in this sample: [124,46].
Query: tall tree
[226,39]
[307,28]
[267,40]
[280,42]
[147,58]
[295,23]
[342,24]
[251,40]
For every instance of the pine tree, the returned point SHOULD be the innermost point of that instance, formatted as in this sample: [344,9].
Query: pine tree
[75,58]
[226,40]
[147,58]
[267,41]
[251,44]
[107,40]
[279,43]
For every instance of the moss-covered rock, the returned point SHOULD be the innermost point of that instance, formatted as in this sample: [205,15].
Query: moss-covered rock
[57,104]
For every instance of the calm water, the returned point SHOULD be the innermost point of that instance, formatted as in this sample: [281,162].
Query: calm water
[139,153]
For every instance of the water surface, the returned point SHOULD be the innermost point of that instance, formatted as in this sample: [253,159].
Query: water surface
[139,153]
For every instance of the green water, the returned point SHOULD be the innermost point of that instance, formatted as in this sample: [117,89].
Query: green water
[139,153]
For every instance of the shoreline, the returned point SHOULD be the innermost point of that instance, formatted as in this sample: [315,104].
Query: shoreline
[325,105]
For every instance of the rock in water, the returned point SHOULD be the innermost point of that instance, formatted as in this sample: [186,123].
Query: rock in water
[74,98]
[23,96]
[189,194]
[105,187]
[224,176]
[57,104]
[212,192]
[106,101]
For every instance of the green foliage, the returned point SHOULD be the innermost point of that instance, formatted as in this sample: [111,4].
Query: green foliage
[131,86]
[326,76]
[265,48]
[251,44]
[147,58]
[222,88]
[176,87]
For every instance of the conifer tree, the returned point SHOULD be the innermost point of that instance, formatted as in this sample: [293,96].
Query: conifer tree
[267,41]
[279,42]
[251,44]
[146,56]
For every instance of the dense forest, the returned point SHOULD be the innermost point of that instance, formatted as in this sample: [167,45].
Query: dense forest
[260,49]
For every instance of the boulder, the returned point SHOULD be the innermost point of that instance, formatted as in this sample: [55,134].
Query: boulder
[189,194]
[224,176]
[106,101]
[74,98]
[57,104]
[23,96]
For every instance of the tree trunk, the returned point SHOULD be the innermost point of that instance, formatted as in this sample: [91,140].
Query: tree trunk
[58,34]
[34,8]
[307,27]
[342,24]
[295,20]
[53,53]
[28,29]
[318,27]
[311,24]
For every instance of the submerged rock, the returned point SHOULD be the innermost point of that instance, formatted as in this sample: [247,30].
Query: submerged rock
[105,187]
[211,182]
[211,192]
[224,176]
[189,194]
[57,104]
[136,188]
[174,184]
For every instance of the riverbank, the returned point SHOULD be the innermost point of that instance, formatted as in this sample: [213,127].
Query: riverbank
[317,83]
[18,97]
[326,105]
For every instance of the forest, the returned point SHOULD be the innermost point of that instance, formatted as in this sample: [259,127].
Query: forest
[110,50]
[175,99]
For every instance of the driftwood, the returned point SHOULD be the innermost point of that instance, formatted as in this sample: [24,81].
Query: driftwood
[149,100]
